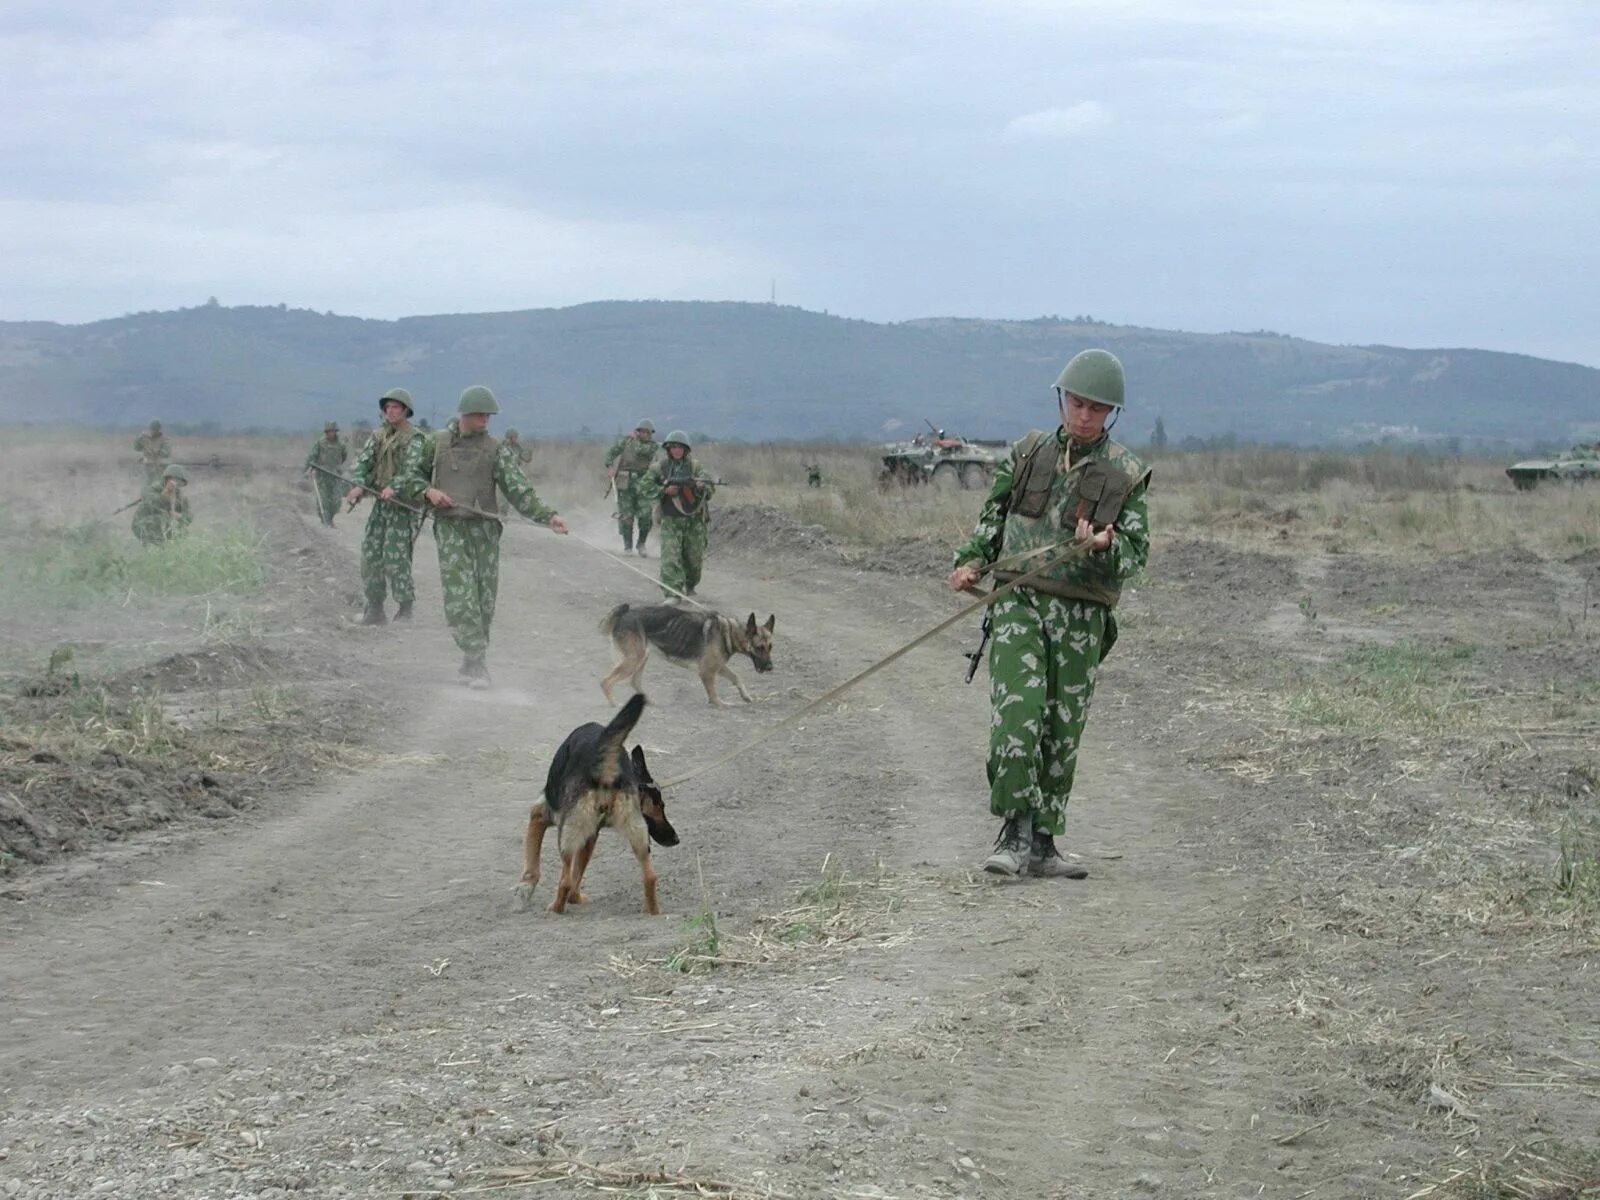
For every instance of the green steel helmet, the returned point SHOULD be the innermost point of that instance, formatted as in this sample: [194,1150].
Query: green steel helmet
[646,426]
[512,435]
[175,472]
[399,394]
[331,427]
[1095,375]
[477,399]
[155,426]
[676,438]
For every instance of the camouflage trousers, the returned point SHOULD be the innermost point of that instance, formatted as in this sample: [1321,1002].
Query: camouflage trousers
[469,569]
[1043,657]
[386,554]
[683,552]
[632,506]
[329,493]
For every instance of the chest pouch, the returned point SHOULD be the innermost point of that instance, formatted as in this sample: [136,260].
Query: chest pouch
[1100,494]
[1034,478]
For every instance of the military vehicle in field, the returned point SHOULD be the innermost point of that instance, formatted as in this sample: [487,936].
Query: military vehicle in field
[1577,465]
[937,458]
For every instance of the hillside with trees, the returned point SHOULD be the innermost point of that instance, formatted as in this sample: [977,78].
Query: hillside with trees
[764,371]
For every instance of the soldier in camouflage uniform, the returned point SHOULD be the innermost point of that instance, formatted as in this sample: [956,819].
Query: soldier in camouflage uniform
[391,530]
[680,489]
[626,463]
[457,471]
[163,513]
[154,452]
[328,452]
[524,456]
[1050,636]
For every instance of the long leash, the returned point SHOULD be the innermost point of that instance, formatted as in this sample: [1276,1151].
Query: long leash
[1072,550]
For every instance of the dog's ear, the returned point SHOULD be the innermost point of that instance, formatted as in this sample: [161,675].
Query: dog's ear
[750,625]
[639,765]
[772,621]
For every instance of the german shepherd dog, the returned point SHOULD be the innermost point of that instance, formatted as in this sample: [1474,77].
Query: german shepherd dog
[702,640]
[593,783]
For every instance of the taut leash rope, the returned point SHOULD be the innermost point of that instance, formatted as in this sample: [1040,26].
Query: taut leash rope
[1071,550]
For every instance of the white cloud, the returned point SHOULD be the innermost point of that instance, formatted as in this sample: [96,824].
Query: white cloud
[1055,124]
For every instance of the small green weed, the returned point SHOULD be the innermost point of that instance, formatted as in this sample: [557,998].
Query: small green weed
[1578,868]
[702,946]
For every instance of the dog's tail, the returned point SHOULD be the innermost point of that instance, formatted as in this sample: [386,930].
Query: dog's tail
[608,623]
[611,757]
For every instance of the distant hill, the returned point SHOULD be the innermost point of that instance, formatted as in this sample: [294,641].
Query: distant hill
[763,371]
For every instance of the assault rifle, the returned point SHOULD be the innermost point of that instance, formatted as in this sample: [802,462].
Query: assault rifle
[214,462]
[974,657]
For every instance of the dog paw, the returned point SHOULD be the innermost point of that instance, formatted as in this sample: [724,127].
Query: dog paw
[524,893]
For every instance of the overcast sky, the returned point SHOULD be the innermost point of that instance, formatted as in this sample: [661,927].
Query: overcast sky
[1420,174]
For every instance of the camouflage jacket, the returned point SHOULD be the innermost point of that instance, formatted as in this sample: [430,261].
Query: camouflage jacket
[636,456]
[383,456]
[152,449]
[523,451]
[155,508]
[1098,576]
[328,455]
[416,475]
[665,473]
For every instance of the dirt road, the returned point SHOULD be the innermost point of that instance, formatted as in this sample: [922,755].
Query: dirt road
[337,996]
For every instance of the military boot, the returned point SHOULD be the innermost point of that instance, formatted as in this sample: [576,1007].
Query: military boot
[642,554]
[403,613]
[478,680]
[1011,848]
[374,614]
[627,541]
[1044,859]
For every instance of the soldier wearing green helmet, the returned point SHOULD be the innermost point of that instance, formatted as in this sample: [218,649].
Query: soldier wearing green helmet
[524,456]
[163,513]
[626,464]
[458,472]
[680,490]
[324,465]
[154,451]
[391,531]
[1074,487]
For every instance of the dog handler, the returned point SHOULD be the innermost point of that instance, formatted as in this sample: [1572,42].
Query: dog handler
[457,469]
[1050,636]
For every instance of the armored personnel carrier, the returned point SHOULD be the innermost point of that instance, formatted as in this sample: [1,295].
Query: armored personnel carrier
[936,457]
[1577,465]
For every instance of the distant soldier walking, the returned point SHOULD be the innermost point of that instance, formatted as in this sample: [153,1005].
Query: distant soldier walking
[524,454]
[163,513]
[154,451]
[814,475]
[681,489]
[1074,485]
[626,463]
[457,471]
[328,453]
[391,531]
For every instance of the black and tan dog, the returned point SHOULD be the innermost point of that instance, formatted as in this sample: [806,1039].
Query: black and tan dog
[593,782]
[704,641]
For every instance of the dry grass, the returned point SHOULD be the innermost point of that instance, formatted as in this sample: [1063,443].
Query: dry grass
[1548,1172]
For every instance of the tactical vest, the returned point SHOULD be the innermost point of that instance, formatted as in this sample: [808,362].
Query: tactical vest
[635,456]
[1047,497]
[328,455]
[681,473]
[463,469]
[388,453]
